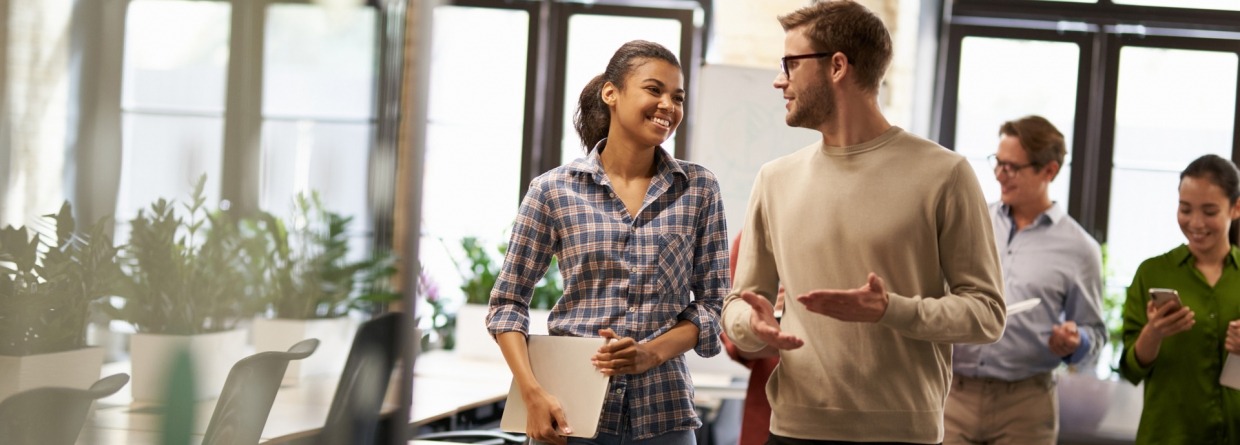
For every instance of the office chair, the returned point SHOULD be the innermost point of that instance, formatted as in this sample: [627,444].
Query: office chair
[353,417]
[54,415]
[479,437]
[245,402]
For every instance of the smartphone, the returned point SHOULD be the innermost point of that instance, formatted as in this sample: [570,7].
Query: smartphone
[1163,296]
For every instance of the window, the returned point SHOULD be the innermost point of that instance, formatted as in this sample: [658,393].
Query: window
[1157,133]
[999,90]
[502,104]
[268,98]
[172,100]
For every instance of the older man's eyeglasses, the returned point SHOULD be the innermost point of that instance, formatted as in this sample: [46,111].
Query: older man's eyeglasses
[783,61]
[1006,167]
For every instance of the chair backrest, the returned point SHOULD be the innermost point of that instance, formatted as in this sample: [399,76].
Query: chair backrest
[245,401]
[53,415]
[354,414]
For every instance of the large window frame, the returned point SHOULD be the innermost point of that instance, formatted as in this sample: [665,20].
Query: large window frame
[546,66]
[98,36]
[1101,30]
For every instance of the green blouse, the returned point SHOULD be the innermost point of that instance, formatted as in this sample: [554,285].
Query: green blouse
[1184,402]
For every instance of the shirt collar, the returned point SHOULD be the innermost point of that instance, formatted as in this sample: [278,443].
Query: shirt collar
[593,165]
[1185,257]
[1052,215]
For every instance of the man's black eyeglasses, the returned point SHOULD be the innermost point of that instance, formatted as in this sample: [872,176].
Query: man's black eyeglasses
[783,61]
[1006,167]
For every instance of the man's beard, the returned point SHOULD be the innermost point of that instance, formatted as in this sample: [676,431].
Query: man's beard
[813,108]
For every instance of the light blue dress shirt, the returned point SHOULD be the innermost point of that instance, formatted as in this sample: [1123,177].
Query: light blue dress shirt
[1054,260]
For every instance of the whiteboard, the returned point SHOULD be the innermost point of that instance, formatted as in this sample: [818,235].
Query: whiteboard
[738,125]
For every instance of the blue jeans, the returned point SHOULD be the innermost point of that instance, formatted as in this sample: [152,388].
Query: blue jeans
[672,438]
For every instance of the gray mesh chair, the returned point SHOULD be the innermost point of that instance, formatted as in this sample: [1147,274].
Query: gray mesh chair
[52,416]
[245,401]
[354,414]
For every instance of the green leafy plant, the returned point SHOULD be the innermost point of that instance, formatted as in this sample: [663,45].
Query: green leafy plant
[307,271]
[49,281]
[480,270]
[185,272]
[1112,306]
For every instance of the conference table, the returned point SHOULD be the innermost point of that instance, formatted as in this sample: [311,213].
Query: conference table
[447,387]
[444,386]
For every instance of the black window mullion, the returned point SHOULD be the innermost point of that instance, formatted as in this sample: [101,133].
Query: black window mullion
[384,150]
[1089,151]
[943,121]
[243,115]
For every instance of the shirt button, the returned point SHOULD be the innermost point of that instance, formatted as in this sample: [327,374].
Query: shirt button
[611,195]
[633,269]
[619,390]
[632,308]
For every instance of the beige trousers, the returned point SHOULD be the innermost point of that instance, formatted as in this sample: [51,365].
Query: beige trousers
[990,411]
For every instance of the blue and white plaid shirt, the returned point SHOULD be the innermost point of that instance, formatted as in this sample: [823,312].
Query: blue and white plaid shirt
[633,275]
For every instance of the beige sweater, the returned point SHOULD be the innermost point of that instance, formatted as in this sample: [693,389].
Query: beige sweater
[823,218]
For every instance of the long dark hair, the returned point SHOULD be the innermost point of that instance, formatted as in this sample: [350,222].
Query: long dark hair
[593,118]
[1220,172]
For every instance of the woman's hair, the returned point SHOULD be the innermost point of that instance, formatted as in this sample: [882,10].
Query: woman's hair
[1220,172]
[593,118]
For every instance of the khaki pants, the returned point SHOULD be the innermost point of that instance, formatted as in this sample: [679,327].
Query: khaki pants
[990,411]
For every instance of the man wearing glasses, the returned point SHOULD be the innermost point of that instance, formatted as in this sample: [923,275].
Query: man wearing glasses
[1005,392]
[881,239]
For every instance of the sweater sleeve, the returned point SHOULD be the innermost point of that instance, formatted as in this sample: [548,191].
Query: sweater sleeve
[973,310]
[754,272]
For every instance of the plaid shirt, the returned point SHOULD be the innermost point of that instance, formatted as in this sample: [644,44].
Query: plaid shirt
[633,275]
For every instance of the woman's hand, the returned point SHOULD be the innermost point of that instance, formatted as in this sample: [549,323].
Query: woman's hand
[545,421]
[1233,337]
[1163,321]
[1167,320]
[623,355]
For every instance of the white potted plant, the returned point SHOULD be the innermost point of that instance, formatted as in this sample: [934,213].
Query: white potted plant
[480,270]
[185,292]
[311,285]
[48,283]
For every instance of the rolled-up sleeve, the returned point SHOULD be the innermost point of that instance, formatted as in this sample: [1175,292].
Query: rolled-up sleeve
[710,272]
[530,248]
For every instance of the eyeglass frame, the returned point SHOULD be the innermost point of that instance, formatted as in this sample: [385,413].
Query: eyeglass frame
[783,61]
[1010,168]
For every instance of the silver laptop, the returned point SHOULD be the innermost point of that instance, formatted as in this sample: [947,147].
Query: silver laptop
[562,366]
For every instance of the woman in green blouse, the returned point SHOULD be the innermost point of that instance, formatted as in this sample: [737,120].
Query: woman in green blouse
[1178,350]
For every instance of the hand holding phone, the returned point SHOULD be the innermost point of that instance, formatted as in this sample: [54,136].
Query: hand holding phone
[1162,296]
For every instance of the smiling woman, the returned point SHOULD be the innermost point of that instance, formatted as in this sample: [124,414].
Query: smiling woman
[637,233]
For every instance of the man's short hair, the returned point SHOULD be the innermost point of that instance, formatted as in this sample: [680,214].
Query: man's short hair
[847,27]
[1040,139]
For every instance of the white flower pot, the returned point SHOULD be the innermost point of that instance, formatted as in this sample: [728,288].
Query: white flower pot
[472,338]
[335,338]
[212,355]
[79,368]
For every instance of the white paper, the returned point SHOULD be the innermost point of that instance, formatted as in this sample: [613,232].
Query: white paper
[1231,372]
[1022,306]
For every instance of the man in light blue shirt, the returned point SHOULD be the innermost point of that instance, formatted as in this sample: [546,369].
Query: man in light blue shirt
[1005,392]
